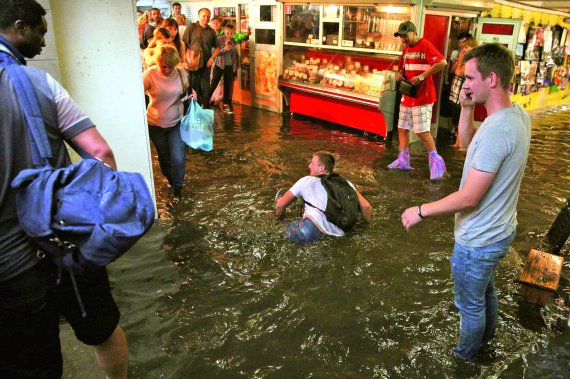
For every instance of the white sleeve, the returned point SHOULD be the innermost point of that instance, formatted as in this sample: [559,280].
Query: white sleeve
[71,119]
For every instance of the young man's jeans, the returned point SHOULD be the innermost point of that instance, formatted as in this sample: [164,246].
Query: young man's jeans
[229,78]
[171,153]
[303,231]
[473,271]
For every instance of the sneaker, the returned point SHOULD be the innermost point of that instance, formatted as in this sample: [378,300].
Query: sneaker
[436,166]
[228,109]
[177,192]
[402,163]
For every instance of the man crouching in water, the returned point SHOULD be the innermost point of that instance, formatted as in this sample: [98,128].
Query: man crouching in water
[316,222]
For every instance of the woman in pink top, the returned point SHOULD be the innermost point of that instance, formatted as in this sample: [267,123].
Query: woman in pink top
[165,84]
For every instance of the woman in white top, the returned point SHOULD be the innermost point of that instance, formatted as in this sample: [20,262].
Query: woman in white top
[165,84]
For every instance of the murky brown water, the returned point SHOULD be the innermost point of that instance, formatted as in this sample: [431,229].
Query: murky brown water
[215,291]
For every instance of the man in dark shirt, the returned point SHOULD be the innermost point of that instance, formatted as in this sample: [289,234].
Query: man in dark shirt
[201,37]
[155,22]
[31,301]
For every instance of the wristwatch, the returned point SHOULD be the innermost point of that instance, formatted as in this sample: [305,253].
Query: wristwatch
[421,77]
[420,212]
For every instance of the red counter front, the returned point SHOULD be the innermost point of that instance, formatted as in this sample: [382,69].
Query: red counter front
[357,112]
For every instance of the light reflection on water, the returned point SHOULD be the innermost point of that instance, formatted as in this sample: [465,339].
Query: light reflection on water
[215,291]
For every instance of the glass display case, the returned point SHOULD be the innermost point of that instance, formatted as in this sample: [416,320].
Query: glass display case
[302,23]
[347,88]
[373,27]
[339,62]
[226,14]
[369,27]
[358,74]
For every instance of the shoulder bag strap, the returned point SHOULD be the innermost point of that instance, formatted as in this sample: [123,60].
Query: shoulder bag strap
[41,151]
[181,81]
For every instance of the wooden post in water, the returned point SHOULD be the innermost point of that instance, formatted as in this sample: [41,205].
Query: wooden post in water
[541,272]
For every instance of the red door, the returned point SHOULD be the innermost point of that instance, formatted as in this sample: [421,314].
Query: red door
[435,31]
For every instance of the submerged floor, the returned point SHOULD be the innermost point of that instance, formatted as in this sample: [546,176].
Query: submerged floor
[214,291]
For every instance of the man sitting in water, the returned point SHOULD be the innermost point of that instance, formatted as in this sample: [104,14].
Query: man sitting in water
[314,224]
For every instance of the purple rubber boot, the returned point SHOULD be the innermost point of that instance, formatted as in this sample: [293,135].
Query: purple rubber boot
[403,161]
[436,166]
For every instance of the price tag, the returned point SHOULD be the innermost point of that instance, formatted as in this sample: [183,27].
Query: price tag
[347,43]
[315,41]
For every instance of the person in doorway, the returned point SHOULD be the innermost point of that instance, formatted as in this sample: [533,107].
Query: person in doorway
[33,299]
[419,61]
[226,66]
[314,225]
[155,22]
[176,10]
[462,36]
[457,70]
[485,204]
[199,36]
[165,85]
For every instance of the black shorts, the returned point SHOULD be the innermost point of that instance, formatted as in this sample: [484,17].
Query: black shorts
[455,113]
[30,321]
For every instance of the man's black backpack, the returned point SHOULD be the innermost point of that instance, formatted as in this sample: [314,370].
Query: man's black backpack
[343,208]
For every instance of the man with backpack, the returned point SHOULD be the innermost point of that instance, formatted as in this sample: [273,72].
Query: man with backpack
[33,294]
[332,204]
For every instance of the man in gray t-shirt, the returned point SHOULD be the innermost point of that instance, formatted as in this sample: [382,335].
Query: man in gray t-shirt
[485,204]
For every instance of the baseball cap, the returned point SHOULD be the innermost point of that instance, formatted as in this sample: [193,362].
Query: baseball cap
[404,28]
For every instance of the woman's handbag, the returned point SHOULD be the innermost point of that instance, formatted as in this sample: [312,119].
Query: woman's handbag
[406,87]
[85,215]
[197,127]
[193,56]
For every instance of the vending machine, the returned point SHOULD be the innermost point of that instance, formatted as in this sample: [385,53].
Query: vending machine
[265,55]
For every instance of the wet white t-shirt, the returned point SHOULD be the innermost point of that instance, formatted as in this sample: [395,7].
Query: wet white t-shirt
[310,189]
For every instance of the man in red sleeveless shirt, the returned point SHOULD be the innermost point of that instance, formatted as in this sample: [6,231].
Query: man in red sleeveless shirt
[420,60]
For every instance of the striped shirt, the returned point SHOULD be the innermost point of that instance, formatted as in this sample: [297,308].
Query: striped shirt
[221,58]
[416,60]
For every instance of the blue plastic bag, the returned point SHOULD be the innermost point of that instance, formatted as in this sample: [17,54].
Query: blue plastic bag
[197,127]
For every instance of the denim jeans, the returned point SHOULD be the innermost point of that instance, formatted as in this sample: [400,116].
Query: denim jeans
[171,153]
[303,231]
[473,271]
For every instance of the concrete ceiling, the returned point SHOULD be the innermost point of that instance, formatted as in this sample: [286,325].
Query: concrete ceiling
[557,5]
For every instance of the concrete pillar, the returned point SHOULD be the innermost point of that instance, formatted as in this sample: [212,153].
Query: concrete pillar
[99,63]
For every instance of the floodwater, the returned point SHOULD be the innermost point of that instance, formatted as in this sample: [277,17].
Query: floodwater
[215,291]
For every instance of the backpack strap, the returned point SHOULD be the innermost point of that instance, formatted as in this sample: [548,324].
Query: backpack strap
[28,101]
[324,176]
